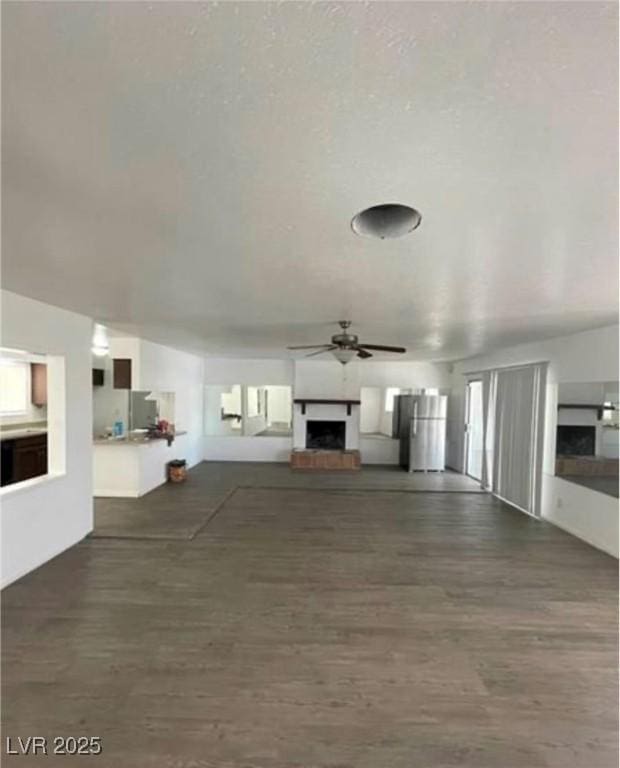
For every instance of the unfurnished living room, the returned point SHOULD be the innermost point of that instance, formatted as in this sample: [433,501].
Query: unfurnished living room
[309,388]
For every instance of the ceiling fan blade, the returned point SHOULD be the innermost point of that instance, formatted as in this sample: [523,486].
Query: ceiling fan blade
[382,348]
[362,353]
[310,346]
[320,352]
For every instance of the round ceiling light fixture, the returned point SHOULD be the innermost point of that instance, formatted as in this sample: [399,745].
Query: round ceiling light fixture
[100,347]
[386,221]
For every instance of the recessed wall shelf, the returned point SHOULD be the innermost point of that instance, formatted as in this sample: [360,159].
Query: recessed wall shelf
[303,401]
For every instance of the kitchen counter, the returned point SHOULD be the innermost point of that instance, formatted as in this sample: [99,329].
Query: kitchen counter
[125,441]
[131,467]
[16,434]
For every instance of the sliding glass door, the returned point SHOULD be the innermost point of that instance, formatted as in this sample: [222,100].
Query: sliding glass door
[474,430]
[518,440]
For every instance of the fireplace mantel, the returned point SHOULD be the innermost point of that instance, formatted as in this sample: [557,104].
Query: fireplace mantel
[303,401]
[587,407]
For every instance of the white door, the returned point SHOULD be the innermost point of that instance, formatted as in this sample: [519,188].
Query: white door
[473,430]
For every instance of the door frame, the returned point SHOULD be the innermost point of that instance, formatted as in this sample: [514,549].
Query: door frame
[466,430]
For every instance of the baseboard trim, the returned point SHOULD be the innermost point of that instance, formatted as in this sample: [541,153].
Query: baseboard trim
[580,536]
[115,494]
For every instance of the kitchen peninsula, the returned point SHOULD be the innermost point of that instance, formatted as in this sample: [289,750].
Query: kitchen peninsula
[132,466]
[131,440]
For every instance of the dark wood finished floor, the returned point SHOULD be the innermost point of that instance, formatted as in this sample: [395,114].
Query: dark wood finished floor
[322,628]
[156,515]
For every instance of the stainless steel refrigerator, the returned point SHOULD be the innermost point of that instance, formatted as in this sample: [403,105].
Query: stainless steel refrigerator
[419,422]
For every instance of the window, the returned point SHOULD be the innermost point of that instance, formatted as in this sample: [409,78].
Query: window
[390,394]
[13,388]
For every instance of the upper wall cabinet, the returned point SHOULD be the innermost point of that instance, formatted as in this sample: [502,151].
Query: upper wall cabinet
[98,377]
[121,373]
[38,379]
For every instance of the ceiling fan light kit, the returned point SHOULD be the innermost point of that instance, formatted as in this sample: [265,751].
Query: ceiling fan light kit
[344,355]
[383,221]
[346,346]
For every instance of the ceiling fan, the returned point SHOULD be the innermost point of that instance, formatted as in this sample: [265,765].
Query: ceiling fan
[345,346]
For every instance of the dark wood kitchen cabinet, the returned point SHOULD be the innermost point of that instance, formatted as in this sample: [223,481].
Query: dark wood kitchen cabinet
[23,458]
[121,373]
[38,383]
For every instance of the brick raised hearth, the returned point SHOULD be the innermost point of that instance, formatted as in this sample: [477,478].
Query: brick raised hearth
[586,466]
[325,460]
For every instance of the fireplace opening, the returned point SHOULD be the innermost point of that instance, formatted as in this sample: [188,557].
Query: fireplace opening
[325,435]
[575,440]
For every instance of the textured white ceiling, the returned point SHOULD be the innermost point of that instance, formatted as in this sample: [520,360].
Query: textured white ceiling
[188,171]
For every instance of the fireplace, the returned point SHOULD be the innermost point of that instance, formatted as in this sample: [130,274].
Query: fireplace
[575,440]
[325,435]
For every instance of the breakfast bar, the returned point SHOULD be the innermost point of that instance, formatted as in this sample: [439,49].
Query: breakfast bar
[131,467]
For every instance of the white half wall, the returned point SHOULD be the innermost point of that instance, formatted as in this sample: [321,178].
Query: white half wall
[587,514]
[591,356]
[379,450]
[44,516]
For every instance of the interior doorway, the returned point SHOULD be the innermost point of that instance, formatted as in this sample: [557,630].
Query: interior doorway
[473,430]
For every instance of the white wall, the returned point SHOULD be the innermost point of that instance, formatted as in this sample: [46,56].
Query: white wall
[109,404]
[224,370]
[169,370]
[44,516]
[371,409]
[280,404]
[327,378]
[406,375]
[585,357]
